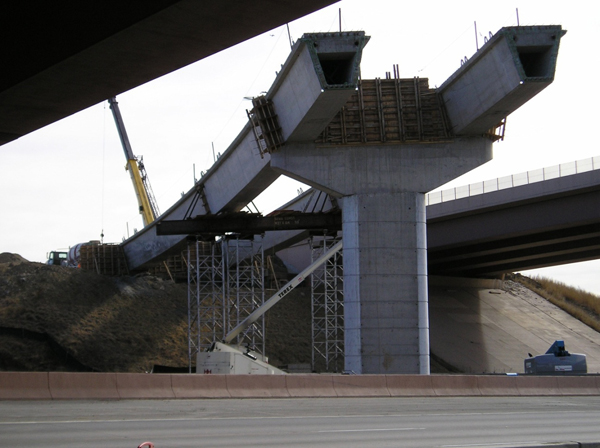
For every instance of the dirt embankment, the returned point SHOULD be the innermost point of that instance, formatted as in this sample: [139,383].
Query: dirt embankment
[58,318]
[54,318]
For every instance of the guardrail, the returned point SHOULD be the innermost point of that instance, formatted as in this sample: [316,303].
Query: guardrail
[514,180]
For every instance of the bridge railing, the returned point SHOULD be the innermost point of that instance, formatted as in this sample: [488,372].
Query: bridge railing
[514,180]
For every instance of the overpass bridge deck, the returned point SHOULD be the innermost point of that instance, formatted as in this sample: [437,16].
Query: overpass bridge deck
[531,226]
[514,180]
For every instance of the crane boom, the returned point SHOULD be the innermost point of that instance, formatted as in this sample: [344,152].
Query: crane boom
[253,317]
[146,201]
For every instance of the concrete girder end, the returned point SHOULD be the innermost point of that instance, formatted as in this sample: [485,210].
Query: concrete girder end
[507,71]
[336,57]
[315,82]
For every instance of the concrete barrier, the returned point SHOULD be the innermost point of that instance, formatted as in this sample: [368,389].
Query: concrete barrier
[537,385]
[455,385]
[310,386]
[66,385]
[200,386]
[578,385]
[71,386]
[24,386]
[360,386]
[498,386]
[144,385]
[409,385]
[257,386]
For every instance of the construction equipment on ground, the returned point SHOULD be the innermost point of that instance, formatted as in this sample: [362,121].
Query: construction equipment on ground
[147,208]
[70,258]
[57,258]
[223,358]
[146,201]
[556,361]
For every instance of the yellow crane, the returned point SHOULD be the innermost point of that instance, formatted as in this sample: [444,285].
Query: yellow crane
[146,201]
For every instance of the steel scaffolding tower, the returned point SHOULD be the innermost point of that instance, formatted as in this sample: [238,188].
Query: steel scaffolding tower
[245,290]
[205,296]
[327,295]
[225,284]
[193,303]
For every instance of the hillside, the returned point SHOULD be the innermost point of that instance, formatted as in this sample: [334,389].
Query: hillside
[54,318]
[57,318]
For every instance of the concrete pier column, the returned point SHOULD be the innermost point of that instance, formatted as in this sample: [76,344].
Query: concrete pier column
[385,283]
[380,189]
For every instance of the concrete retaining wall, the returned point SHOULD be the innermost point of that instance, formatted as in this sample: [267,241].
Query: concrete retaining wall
[69,386]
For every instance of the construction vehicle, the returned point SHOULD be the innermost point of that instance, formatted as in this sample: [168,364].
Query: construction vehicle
[146,201]
[223,358]
[556,361]
[70,258]
[148,207]
[57,258]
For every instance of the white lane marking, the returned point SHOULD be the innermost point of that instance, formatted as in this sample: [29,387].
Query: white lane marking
[504,444]
[370,430]
[175,419]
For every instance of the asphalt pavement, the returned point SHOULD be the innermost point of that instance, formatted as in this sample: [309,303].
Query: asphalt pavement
[338,422]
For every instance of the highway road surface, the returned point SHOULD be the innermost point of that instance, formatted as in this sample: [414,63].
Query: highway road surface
[341,422]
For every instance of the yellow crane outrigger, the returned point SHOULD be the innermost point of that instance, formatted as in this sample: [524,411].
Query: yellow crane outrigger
[147,204]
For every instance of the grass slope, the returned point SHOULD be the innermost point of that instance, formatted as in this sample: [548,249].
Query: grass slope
[578,303]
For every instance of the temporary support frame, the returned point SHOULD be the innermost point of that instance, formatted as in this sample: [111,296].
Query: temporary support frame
[205,296]
[327,307]
[245,274]
[225,284]
[193,303]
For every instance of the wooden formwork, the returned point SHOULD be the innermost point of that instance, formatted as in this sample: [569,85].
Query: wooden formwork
[106,259]
[175,266]
[389,111]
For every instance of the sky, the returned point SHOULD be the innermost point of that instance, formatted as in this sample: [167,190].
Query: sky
[66,183]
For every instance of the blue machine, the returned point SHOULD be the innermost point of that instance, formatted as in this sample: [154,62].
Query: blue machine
[556,361]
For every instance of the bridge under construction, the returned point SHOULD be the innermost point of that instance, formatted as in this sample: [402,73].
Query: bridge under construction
[374,148]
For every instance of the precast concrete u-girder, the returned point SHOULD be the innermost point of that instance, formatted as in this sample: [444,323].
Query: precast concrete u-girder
[512,67]
[314,83]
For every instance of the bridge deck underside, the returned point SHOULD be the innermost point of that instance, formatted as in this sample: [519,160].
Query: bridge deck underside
[550,232]
[62,57]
